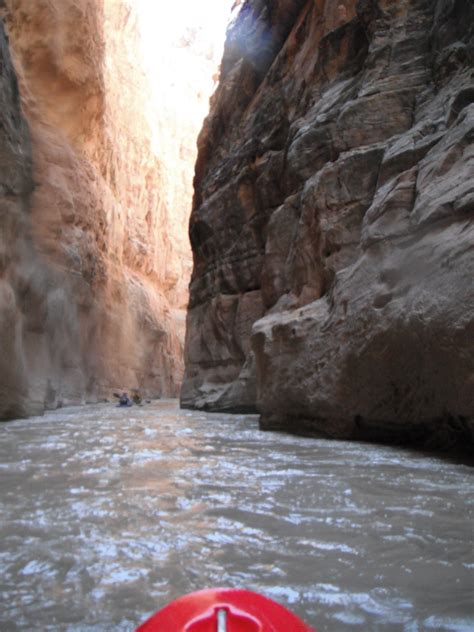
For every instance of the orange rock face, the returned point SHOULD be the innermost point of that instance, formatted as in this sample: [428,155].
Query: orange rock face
[107,289]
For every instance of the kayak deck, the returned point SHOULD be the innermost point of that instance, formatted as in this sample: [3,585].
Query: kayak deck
[224,610]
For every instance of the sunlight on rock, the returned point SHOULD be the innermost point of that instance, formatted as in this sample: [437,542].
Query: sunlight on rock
[114,94]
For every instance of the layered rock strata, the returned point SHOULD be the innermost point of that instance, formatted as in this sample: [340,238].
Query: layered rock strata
[332,227]
[92,277]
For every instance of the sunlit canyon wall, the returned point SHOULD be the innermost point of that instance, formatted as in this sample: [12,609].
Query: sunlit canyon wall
[332,226]
[94,259]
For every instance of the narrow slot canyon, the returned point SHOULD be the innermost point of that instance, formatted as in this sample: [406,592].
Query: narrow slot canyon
[236,315]
[328,202]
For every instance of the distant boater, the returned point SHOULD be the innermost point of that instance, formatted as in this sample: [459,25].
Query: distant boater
[124,400]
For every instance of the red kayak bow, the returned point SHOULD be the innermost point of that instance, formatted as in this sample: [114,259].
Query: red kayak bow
[224,610]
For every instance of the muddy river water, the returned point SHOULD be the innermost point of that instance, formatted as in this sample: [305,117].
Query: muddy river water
[107,514]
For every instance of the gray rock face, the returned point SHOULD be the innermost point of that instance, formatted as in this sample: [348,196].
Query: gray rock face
[15,185]
[335,198]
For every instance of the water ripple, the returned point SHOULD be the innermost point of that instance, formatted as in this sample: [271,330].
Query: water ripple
[106,517]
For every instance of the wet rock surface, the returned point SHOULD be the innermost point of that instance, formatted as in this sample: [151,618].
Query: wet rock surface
[109,513]
[334,186]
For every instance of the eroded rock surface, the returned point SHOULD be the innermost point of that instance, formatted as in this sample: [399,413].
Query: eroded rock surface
[334,197]
[93,260]
[16,184]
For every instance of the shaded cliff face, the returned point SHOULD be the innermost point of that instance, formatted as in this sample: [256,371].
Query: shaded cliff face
[334,198]
[15,187]
[96,263]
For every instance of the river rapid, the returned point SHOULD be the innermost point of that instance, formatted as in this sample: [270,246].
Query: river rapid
[108,514]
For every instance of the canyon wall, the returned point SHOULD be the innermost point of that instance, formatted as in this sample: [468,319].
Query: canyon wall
[93,283]
[16,185]
[332,227]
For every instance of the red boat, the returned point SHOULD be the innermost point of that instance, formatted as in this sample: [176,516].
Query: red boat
[224,610]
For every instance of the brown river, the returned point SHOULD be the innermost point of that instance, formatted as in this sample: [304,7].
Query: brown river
[108,514]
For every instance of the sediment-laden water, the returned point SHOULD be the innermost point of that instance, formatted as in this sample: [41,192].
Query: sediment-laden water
[107,514]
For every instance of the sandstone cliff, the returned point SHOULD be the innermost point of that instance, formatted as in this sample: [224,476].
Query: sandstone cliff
[93,265]
[332,227]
